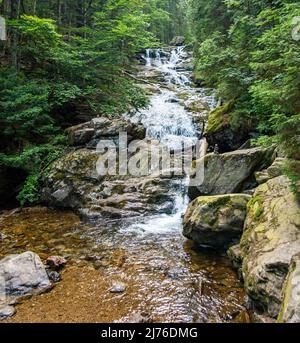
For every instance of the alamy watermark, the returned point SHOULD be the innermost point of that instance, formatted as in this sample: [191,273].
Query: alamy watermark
[2,28]
[149,158]
[296,28]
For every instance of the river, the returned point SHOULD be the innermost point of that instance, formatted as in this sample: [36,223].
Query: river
[164,276]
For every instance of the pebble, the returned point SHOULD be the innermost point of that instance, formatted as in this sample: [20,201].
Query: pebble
[118,288]
[54,276]
[56,262]
[6,311]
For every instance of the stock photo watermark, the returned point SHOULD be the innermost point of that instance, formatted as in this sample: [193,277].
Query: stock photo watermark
[2,28]
[147,158]
[296,28]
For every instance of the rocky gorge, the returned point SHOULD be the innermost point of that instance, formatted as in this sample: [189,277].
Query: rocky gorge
[263,218]
[128,246]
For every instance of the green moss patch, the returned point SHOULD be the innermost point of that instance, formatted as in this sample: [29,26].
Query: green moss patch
[219,118]
[256,208]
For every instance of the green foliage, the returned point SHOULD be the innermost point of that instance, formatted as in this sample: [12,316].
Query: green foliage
[30,191]
[249,55]
[61,58]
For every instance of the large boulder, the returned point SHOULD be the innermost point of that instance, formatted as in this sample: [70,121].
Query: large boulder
[232,172]
[271,238]
[216,221]
[23,274]
[290,310]
[219,130]
[73,182]
[88,134]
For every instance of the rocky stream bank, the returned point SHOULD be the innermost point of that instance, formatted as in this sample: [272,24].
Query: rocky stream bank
[111,249]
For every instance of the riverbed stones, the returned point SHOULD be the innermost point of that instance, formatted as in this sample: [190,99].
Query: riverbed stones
[270,240]
[232,172]
[216,221]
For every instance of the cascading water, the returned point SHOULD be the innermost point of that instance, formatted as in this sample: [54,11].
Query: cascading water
[167,121]
[166,279]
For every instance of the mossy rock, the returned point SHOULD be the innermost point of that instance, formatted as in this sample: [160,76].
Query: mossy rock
[269,242]
[219,118]
[222,132]
[216,221]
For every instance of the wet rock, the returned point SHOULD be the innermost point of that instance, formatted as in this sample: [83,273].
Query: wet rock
[231,172]
[83,136]
[140,317]
[6,311]
[290,309]
[261,319]
[216,221]
[196,106]
[242,318]
[118,288]
[177,41]
[235,255]
[150,89]
[173,100]
[270,240]
[54,276]
[56,262]
[151,75]
[23,274]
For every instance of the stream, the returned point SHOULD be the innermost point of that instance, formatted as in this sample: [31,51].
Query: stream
[165,277]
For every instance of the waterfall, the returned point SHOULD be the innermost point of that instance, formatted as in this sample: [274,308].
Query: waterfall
[168,65]
[148,59]
[167,121]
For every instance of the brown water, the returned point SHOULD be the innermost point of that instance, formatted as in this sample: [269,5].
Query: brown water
[165,276]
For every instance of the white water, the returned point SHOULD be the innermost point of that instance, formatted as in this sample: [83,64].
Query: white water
[168,65]
[172,125]
[167,122]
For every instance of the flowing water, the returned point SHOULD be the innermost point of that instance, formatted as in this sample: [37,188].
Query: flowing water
[166,276]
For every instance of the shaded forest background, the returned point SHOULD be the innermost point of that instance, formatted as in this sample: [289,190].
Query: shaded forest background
[65,61]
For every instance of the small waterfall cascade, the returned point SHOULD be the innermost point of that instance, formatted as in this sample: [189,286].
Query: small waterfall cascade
[167,63]
[167,120]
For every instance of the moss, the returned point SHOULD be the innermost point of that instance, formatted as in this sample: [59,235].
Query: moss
[58,176]
[215,201]
[219,118]
[255,207]
[183,96]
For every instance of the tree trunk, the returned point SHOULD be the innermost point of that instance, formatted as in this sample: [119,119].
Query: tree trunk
[34,7]
[59,9]
[15,11]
